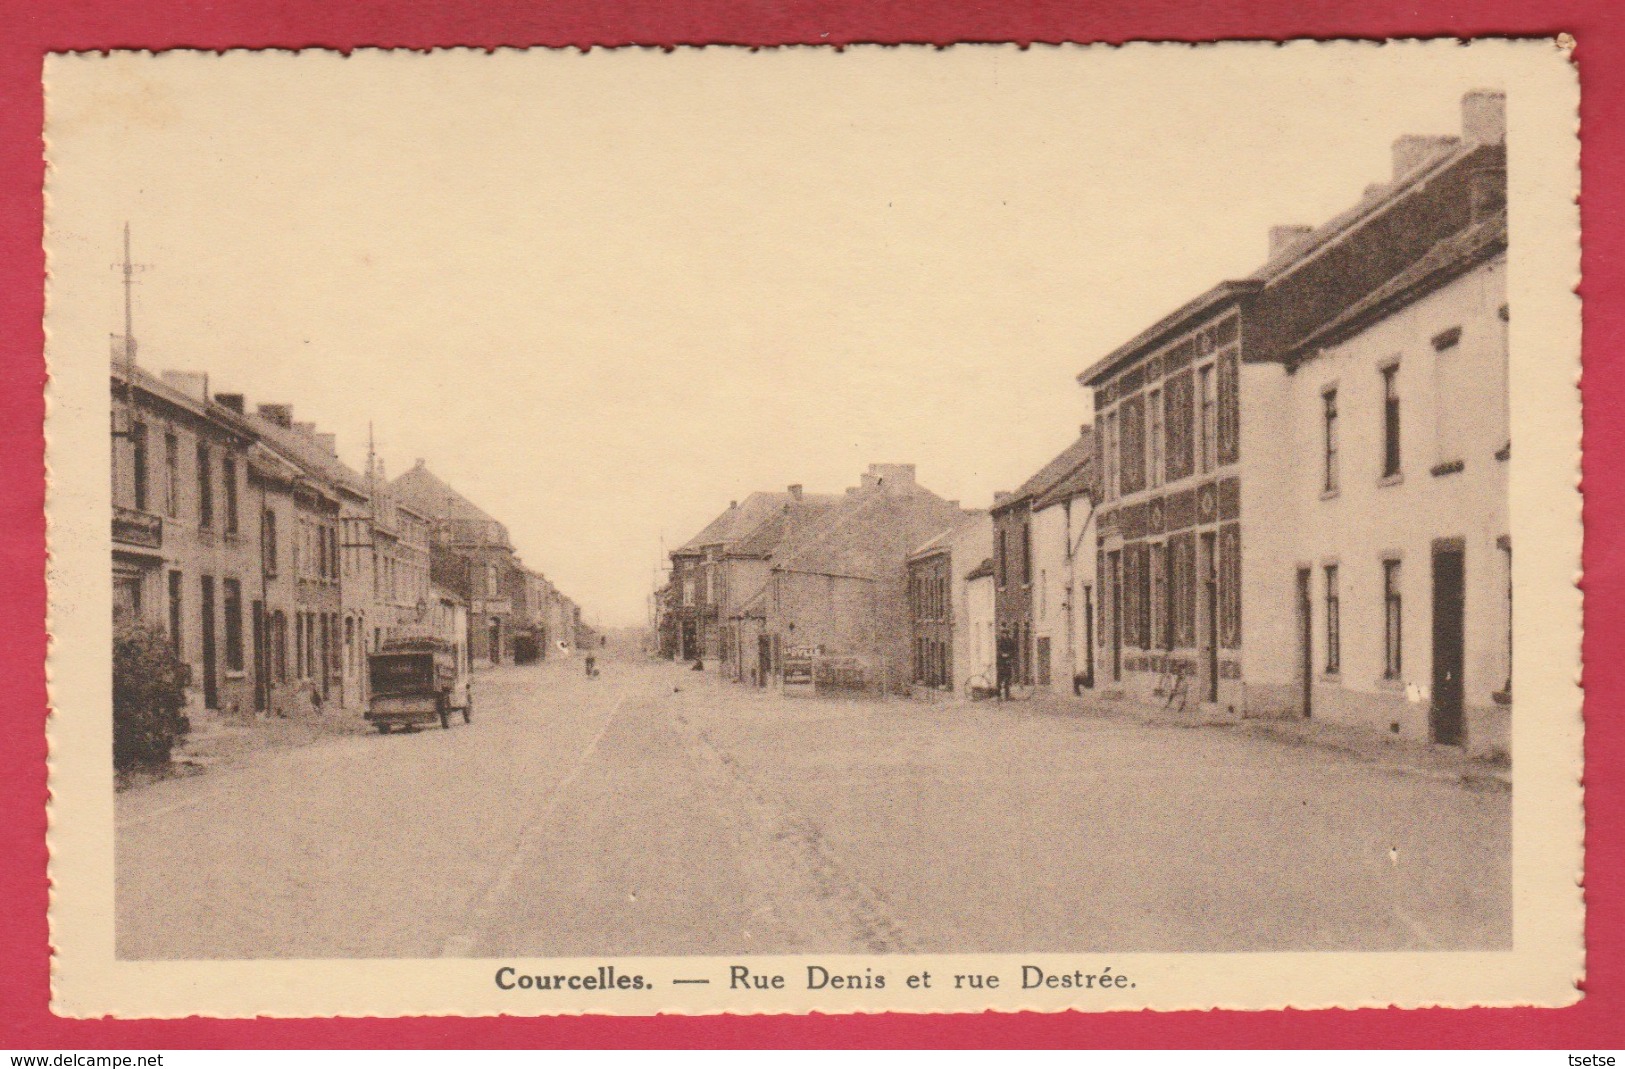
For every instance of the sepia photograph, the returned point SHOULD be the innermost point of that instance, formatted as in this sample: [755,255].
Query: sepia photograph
[793,529]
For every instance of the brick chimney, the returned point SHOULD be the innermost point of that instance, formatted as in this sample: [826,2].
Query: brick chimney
[194,384]
[1283,238]
[1484,117]
[1413,150]
[795,491]
[233,401]
[281,415]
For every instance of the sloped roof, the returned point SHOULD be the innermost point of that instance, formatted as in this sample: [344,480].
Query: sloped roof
[309,454]
[983,570]
[1081,451]
[869,534]
[1079,481]
[943,539]
[1445,261]
[1288,259]
[740,520]
[781,524]
[432,496]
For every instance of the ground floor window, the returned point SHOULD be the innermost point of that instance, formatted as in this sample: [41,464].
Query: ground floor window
[1334,622]
[233,598]
[175,602]
[1393,616]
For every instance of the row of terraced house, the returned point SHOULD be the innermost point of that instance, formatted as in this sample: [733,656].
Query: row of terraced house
[1291,502]
[274,568]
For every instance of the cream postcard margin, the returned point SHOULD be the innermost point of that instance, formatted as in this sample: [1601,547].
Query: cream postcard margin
[1548,955]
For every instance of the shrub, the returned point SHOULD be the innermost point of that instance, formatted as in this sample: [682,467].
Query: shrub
[149,692]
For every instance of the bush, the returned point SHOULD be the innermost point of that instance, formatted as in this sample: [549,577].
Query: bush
[149,692]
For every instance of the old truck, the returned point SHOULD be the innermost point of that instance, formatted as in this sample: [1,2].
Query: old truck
[417,682]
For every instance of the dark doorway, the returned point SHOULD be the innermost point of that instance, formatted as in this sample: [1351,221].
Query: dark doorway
[211,686]
[1089,636]
[1449,574]
[689,642]
[1114,633]
[1306,649]
[262,660]
[1208,566]
[495,639]
[764,660]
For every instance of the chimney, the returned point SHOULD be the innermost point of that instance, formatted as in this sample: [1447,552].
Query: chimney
[1484,117]
[1413,150]
[420,464]
[233,401]
[733,505]
[329,442]
[194,384]
[281,415]
[795,491]
[890,476]
[1283,238]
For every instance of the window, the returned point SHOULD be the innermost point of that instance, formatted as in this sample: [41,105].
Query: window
[138,446]
[205,488]
[1334,623]
[268,541]
[1043,592]
[175,605]
[232,594]
[1027,553]
[1142,596]
[299,645]
[1329,424]
[1160,617]
[281,631]
[1003,559]
[1393,657]
[1109,456]
[1207,417]
[228,475]
[1390,421]
[1155,437]
[172,475]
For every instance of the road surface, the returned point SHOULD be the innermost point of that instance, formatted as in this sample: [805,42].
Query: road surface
[658,811]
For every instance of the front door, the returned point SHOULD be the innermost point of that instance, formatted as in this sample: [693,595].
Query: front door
[1210,619]
[764,660]
[496,641]
[262,660]
[1089,636]
[1449,573]
[1114,634]
[1306,653]
[211,686]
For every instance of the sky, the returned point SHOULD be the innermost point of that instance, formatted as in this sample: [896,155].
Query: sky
[605,293]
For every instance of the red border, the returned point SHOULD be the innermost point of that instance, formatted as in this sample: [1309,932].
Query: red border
[34,27]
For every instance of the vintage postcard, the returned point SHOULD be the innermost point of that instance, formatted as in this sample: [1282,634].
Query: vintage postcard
[907,529]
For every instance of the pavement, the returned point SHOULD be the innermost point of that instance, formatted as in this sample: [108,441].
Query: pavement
[659,811]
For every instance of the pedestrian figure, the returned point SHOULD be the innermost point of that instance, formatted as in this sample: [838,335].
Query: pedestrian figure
[699,665]
[592,662]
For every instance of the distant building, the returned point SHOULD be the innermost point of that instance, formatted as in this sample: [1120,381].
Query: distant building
[945,641]
[978,672]
[1063,600]
[183,529]
[1020,656]
[490,570]
[840,589]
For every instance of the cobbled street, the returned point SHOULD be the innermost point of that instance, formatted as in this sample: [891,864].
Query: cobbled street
[658,811]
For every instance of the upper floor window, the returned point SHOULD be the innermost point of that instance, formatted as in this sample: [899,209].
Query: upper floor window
[268,541]
[1330,443]
[1109,456]
[205,487]
[138,449]
[172,475]
[1154,438]
[1027,553]
[1207,418]
[1002,558]
[1390,420]
[228,477]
